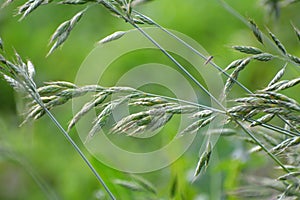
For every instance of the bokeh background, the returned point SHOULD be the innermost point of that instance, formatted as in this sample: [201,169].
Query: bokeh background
[38,151]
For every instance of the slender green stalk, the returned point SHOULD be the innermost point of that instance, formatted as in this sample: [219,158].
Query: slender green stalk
[275,128]
[262,146]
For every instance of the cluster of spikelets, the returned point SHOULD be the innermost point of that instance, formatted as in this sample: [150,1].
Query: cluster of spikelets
[119,8]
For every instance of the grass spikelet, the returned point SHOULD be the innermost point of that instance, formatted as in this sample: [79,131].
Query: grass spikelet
[278,43]
[160,121]
[101,119]
[264,119]
[131,121]
[194,127]
[275,86]
[252,113]
[111,8]
[145,184]
[63,84]
[49,89]
[63,31]
[30,69]
[204,159]
[263,57]
[60,40]
[246,100]
[144,19]
[234,64]
[234,75]
[6,3]
[203,113]
[1,44]
[297,31]
[286,144]
[256,31]
[148,101]
[247,49]
[129,185]
[294,59]
[240,110]
[74,2]
[278,76]
[222,132]
[288,176]
[33,111]
[181,109]
[112,37]
[281,97]
[85,109]
[289,84]
[243,64]
[63,27]
[13,83]
[75,19]
[28,7]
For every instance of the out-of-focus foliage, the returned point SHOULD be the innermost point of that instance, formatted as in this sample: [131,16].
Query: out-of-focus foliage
[50,156]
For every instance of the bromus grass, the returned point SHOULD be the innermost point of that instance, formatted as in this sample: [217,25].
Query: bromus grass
[256,114]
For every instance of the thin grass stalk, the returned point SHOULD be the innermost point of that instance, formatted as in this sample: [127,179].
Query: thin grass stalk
[275,128]
[262,146]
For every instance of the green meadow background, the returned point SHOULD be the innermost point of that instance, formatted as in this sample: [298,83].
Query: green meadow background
[37,151]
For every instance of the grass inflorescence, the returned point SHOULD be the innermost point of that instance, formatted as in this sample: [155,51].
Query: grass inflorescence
[255,114]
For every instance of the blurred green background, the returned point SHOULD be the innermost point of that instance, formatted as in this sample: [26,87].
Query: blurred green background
[38,150]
